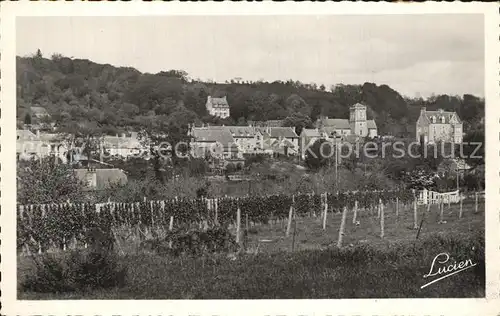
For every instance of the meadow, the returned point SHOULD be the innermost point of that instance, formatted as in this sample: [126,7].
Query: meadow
[307,263]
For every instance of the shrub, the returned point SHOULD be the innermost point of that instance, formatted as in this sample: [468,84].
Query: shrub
[74,271]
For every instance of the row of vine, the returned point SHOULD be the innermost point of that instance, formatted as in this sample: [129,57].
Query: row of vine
[42,226]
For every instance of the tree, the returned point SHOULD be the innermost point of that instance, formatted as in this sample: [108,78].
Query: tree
[298,121]
[319,154]
[38,54]
[45,181]
[473,148]
[27,119]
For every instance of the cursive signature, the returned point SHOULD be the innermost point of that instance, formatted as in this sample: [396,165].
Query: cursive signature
[440,267]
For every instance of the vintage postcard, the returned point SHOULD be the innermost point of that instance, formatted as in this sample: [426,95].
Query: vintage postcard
[250,158]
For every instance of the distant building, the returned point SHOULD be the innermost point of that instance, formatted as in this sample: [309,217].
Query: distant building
[218,107]
[99,179]
[234,141]
[39,112]
[439,126]
[40,145]
[282,140]
[357,124]
[123,146]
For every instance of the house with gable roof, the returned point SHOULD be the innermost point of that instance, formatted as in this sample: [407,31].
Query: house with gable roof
[218,106]
[439,126]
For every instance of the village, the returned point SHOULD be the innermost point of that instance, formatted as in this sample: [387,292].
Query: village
[227,146]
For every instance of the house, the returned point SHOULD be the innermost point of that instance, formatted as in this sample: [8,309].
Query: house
[99,179]
[357,124]
[218,107]
[39,112]
[248,138]
[217,144]
[40,145]
[307,138]
[283,140]
[439,126]
[123,146]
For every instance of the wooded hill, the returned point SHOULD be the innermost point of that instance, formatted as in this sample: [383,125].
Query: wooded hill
[81,95]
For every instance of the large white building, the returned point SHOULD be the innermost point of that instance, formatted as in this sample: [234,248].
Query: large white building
[40,145]
[218,107]
[439,126]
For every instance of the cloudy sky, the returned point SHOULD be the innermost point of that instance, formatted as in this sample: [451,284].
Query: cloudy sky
[414,54]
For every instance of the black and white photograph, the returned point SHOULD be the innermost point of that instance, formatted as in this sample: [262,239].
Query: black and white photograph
[249,157]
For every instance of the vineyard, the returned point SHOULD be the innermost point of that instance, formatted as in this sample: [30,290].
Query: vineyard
[63,226]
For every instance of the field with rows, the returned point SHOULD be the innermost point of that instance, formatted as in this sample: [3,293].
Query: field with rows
[305,263]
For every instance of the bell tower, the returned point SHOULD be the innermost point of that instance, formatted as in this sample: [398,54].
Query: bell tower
[357,120]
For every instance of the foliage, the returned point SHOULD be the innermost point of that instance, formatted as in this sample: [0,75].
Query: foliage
[396,269]
[74,271]
[40,227]
[193,242]
[42,181]
[108,99]
[298,121]
[320,154]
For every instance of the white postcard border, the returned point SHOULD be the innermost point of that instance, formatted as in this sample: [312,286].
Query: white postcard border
[10,304]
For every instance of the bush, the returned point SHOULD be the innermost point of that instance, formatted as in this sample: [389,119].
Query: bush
[74,271]
[194,242]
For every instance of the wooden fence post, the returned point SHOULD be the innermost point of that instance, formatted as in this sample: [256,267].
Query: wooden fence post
[381,220]
[354,217]
[397,206]
[171,225]
[289,224]
[415,215]
[476,208]
[325,213]
[461,207]
[441,214]
[342,227]
[238,224]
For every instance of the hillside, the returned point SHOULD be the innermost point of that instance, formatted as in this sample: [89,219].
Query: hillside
[81,95]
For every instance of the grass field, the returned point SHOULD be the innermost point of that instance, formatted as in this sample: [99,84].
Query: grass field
[367,267]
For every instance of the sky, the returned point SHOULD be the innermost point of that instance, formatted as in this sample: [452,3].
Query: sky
[417,55]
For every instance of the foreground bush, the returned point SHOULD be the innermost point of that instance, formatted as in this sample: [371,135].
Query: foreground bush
[74,271]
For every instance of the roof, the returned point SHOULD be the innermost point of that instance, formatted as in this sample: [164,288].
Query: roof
[441,113]
[269,123]
[277,132]
[242,131]
[310,132]
[371,124]
[218,102]
[215,134]
[337,123]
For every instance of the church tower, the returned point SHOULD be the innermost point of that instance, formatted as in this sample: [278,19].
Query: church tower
[357,120]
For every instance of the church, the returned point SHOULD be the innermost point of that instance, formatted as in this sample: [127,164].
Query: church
[357,124]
